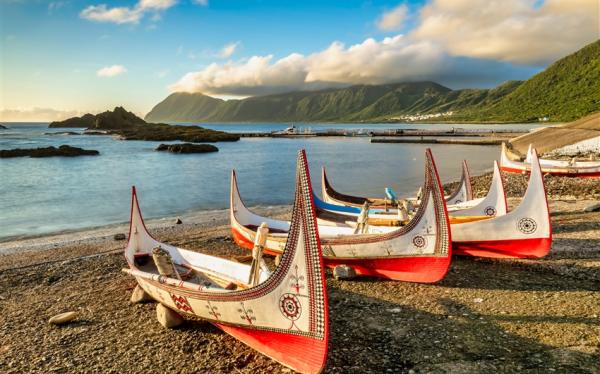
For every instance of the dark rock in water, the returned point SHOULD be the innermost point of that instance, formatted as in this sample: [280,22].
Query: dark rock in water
[120,236]
[63,150]
[187,148]
[87,120]
[131,127]
[3,127]
[178,221]
[117,119]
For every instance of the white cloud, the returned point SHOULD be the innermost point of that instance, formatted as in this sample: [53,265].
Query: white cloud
[120,15]
[228,50]
[156,4]
[518,31]
[372,62]
[111,71]
[36,115]
[393,19]
[100,13]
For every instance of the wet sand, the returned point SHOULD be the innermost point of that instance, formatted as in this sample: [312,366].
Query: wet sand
[485,316]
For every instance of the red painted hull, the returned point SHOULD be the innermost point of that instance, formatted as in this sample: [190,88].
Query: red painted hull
[303,354]
[521,248]
[558,174]
[408,269]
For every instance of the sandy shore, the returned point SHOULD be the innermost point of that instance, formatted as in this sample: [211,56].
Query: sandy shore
[485,316]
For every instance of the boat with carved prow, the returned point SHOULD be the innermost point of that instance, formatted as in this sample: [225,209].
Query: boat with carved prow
[282,314]
[582,169]
[484,230]
[418,252]
[523,232]
[461,195]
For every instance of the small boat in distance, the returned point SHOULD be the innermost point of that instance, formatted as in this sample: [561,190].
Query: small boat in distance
[292,132]
[282,314]
[582,169]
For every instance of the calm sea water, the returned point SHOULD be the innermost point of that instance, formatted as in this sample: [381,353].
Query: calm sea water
[46,195]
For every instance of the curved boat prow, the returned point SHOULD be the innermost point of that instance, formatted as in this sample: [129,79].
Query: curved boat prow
[464,192]
[301,271]
[493,204]
[140,242]
[524,232]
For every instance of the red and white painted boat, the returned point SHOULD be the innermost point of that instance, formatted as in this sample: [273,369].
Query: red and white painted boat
[488,229]
[494,204]
[462,195]
[583,169]
[524,232]
[282,314]
[418,252]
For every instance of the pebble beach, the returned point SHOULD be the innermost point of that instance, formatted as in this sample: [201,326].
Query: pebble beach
[485,316]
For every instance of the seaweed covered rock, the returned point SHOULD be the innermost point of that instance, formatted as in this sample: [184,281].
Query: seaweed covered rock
[187,148]
[63,150]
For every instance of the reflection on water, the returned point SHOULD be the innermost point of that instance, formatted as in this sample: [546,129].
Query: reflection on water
[52,194]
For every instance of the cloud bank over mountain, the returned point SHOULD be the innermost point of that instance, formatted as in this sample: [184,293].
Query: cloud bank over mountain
[450,40]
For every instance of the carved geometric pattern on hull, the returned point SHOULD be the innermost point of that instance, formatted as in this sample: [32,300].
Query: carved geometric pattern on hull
[527,225]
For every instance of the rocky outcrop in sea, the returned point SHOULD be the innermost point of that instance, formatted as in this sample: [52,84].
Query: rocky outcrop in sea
[63,150]
[128,126]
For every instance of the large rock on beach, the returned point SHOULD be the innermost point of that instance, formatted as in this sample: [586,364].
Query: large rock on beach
[61,319]
[344,272]
[167,317]
[187,148]
[63,150]
[140,296]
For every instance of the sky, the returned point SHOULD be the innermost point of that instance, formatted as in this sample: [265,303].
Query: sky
[68,57]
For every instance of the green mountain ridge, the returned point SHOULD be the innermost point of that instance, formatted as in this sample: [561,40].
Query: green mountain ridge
[566,90]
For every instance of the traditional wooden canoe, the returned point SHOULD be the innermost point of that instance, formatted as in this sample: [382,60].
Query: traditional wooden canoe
[493,204]
[418,252]
[462,194]
[524,232]
[583,169]
[284,316]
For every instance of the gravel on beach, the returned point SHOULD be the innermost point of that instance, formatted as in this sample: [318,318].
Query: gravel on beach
[485,316]
[556,187]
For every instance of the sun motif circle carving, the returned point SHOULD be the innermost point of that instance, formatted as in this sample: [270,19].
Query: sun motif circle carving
[527,225]
[490,211]
[419,241]
[290,306]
